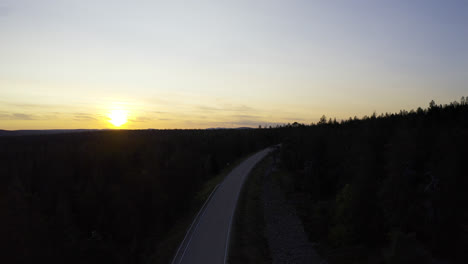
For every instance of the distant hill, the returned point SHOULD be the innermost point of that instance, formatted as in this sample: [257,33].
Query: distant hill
[216,128]
[4,133]
[41,132]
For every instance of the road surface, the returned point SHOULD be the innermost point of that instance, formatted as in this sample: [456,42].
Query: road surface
[207,240]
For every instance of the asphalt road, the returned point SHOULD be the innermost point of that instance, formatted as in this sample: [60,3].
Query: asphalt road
[207,240]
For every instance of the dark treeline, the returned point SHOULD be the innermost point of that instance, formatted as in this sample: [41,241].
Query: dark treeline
[381,189]
[384,189]
[106,196]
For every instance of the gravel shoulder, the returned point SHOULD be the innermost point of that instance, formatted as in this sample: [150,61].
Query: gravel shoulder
[284,231]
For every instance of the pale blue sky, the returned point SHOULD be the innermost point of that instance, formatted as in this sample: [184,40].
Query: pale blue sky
[225,63]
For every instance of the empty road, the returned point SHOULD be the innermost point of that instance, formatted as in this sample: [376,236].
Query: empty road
[207,240]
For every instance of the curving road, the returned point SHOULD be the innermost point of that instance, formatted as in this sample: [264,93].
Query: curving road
[207,240]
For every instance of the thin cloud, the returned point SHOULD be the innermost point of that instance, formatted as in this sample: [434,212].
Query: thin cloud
[29,105]
[16,116]
[226,108]
[294,119]
[140,119]
[19,116]
[254,117]
[239,108]
[207,108]
[23,116]
[83,117]
[4,116]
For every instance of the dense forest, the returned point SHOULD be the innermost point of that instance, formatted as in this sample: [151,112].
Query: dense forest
[380,189]
[383,189]
[106,196]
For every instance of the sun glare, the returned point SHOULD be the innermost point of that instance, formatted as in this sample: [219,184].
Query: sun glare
[118,117]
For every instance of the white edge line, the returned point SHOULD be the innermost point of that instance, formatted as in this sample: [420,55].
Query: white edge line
[228,239]
[190,228]
[196,217]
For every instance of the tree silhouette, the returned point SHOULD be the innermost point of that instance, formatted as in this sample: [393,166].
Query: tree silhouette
[322,120]
[393,182]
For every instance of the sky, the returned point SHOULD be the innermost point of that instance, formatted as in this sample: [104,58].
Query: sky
[200,64]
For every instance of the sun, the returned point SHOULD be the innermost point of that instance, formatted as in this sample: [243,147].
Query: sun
[118,117]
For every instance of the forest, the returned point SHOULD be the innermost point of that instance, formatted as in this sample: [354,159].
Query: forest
[383,189]
[388,188]
[106,196]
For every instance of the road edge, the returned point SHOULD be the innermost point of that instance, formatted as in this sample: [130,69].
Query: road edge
[192,228]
